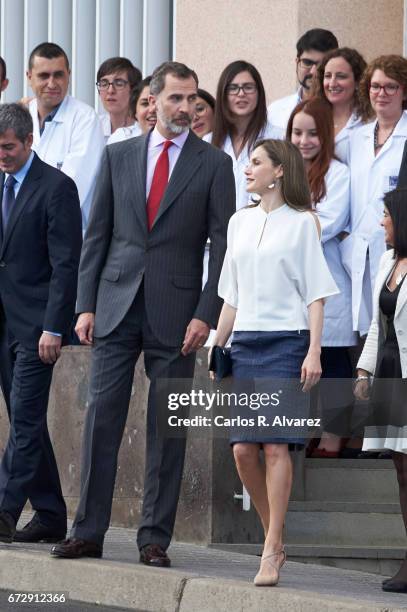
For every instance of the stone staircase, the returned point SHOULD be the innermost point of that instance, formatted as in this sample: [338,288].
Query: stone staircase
[345,513]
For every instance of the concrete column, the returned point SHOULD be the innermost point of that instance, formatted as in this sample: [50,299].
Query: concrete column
[83,50]
[156,33]
[12,46]
[35,30]
[60,24]
[131,31]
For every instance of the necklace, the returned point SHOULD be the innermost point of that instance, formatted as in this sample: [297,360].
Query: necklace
[376,136]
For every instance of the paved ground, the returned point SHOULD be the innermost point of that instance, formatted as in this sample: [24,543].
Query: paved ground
[200,579]
[70,606]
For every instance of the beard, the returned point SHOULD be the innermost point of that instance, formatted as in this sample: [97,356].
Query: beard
[170,124]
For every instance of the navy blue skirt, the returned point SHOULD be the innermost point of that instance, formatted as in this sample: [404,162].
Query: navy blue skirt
[269,363]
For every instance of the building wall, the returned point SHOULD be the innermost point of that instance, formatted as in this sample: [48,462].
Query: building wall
[89,31]
[210,35]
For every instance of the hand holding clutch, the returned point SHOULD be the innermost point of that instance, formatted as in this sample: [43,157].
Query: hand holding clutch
[220,362]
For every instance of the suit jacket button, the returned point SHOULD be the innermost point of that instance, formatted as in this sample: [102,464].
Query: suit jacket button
[2,264]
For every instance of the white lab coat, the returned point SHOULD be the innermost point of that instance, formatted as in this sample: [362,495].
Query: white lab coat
[124,133]
[371,178]
[104,118]
[72,142]
[342,147]
[280,110]
[334,213]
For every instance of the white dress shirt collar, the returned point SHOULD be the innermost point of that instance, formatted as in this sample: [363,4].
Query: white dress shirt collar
[157,139]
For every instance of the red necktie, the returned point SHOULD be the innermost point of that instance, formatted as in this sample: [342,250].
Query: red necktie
[158,184]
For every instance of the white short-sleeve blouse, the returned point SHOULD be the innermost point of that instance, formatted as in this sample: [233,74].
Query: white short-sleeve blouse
[274,268]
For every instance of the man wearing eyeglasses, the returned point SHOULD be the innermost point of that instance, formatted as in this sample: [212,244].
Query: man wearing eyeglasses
[67,132]
[115,80]
[311,48]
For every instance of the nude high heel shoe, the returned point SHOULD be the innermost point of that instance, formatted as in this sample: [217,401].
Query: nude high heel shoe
[270,565]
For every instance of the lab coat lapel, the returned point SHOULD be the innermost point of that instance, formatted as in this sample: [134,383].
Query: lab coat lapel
[402,298]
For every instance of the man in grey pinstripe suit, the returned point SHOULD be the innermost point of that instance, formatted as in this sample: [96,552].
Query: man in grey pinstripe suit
[140,290]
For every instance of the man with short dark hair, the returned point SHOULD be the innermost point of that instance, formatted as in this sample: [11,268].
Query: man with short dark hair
[115,80]
[67,132]
[3,75]
[159,197]
[311,48]
[40,243]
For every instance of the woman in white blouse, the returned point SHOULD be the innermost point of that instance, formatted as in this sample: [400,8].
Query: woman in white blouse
[311,129]
[385,356]
[337,82]
[376,151]
[240,119]
[273,282]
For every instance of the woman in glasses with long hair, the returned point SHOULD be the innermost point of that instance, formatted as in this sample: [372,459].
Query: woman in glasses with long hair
[240,119]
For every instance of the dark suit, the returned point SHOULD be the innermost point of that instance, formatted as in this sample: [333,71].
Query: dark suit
[39,257]
[144,288]
[402,180]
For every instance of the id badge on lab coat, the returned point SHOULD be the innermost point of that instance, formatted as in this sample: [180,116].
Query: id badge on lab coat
[390,181]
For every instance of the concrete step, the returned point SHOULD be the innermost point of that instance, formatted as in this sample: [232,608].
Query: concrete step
[344,524]
[348,480]
[383,560]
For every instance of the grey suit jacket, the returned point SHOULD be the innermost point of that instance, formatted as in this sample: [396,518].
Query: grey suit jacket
[119,251]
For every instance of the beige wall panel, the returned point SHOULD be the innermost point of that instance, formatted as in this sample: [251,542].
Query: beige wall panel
[213,33]
[209,35]
[374,27]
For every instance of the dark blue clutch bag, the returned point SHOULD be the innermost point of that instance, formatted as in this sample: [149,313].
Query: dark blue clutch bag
[221,362]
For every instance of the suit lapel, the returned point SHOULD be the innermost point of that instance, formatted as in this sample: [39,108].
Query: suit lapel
[30,185]
[401,298]
[187,164]
[2,177]
[136,160]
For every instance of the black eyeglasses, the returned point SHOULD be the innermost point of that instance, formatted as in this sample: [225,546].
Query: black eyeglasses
[234,89]
[308,63]
[117,83]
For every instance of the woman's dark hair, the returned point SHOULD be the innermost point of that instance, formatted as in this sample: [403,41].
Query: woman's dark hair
[361,107]
[224,121]
[119,64]
[294,182]
[396,203]
[205,95]
[321,111]
[136,93]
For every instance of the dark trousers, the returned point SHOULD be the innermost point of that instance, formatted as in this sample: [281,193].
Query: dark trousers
[111,379]
[28,469]
[335,390]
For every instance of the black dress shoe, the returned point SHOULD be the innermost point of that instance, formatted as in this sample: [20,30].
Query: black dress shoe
[75,548]
[349,453]
[154,555]
[35,531]
[7,527]
[394,586]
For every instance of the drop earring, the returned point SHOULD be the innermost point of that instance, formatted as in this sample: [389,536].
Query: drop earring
[271,186]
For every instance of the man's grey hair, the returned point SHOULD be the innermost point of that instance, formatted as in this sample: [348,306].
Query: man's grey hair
[16,117]
[181,71]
